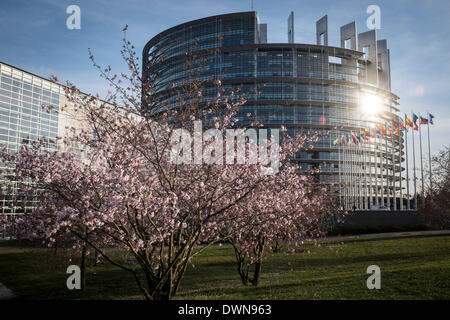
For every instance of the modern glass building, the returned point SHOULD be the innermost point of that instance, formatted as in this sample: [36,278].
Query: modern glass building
[23,119]
[342,90]
[32,108]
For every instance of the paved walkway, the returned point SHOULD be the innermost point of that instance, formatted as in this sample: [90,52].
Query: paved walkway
[5,293]
[393,234]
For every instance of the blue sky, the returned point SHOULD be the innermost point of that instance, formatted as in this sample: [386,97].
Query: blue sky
[34,37]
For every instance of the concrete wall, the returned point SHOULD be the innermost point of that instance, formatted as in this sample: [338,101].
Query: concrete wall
[369,39]
[322,28]
[348,32]
[384,74]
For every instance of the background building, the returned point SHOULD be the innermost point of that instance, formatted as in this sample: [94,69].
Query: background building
[343,90]
[23,119]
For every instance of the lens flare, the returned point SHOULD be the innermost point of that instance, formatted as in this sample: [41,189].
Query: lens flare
[371,104]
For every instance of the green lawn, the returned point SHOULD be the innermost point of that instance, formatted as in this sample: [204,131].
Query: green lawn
[411,268]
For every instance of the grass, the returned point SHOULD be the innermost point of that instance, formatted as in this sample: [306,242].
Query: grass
[411,268]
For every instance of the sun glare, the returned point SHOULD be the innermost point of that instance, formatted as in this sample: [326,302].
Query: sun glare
[371,104]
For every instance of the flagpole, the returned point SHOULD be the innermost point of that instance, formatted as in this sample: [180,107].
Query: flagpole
[366,174]
[363,174]
[339,170]
[347,176]
[414,169]
[370,173]
[421,162]
[351,177]
[344,172]
[408,203]
[400,144]
[361,196]
[359,185]
[377,202]
[388,198]
[429,152]
[355,178]
[339,174]
[369,162]
[394,180]
[382,179]
[363,177]
[347,173]
[358,173]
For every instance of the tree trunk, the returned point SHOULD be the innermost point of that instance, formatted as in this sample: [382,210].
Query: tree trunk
[160,294]
[243,274]
[258,266]
[83,267]
[96,257]
[276,248]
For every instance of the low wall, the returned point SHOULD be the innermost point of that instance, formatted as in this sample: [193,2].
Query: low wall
[382,218]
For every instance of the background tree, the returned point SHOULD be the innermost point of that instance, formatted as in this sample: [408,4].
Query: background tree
[437,200]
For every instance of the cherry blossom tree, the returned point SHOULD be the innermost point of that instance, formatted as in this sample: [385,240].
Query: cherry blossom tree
[122,189]
[290,208]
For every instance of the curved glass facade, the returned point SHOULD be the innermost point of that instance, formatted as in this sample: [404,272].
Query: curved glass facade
[300,86]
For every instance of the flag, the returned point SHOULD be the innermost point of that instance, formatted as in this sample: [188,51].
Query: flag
[377,130]
[423,120]
[388,129]
[343,140]
[402,125]
[336,141]
[383,129]
[430,118]
[395,126]
[408,121]
[414,121]
[366,134]
[355,141]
